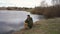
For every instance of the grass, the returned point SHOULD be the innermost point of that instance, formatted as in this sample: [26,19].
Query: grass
[44,26]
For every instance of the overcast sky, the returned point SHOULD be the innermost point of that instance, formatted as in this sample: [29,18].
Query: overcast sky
[22,3]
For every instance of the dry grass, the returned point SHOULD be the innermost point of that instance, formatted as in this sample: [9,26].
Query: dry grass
[49,26]
[48,12]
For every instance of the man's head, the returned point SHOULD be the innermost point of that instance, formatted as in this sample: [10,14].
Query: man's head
[28,16]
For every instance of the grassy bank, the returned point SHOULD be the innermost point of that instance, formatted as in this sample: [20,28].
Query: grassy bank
[45,26]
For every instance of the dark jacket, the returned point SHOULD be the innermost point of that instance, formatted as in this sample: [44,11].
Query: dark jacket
[29,21]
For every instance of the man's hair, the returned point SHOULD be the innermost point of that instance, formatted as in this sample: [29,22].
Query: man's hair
[28,15]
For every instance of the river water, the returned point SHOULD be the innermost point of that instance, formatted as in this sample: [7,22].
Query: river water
[14,20]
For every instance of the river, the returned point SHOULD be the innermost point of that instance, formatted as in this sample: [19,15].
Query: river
[14,20]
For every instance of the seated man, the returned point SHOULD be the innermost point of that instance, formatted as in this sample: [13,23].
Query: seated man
[29,21]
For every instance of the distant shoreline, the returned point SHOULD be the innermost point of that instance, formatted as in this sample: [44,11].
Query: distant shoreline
[15,8]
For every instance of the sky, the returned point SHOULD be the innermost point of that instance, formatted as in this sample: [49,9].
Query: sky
[22,3]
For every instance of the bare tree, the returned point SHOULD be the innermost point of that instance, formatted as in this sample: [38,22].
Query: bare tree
[55,2]
[44,4]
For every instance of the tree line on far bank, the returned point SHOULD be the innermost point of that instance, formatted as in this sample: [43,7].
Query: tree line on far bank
[48,12]
[15,8]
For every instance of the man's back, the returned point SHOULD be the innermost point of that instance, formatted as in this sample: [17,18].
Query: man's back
[29,21]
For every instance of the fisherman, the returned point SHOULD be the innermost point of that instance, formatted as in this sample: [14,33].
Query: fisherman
[29,21]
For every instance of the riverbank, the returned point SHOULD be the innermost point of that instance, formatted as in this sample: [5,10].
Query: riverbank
[44,26]
[15,8]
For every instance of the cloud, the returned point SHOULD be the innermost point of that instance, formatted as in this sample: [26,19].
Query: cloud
[21,3]
[6,4]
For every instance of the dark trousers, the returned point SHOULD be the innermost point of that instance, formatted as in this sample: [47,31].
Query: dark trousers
[30,26]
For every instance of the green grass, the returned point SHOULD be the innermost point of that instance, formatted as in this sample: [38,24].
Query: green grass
[45,26]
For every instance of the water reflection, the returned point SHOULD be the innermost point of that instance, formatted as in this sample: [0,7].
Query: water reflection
[13,20]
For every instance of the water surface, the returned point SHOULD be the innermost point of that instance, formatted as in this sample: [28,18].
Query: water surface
[14,20]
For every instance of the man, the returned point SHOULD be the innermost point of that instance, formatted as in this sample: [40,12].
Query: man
[29,21]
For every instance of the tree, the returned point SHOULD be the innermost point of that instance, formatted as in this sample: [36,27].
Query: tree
[55,2]
[44,4]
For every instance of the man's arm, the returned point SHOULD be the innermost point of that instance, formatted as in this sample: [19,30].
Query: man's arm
[31,19]
[26,21]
